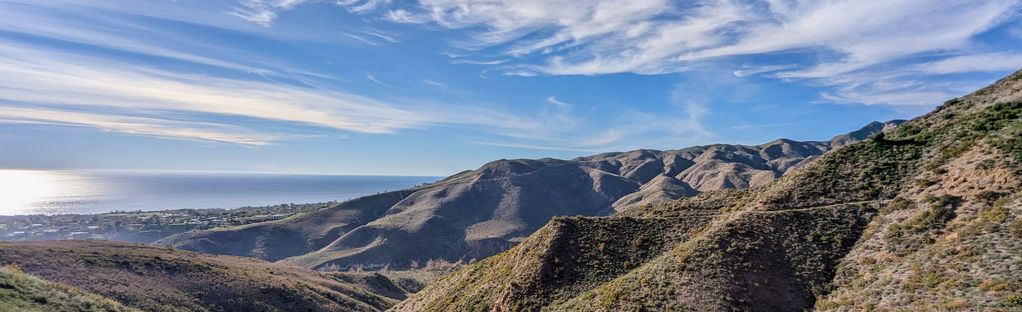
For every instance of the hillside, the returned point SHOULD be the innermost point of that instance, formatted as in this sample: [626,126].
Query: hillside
[24,293]
[926,216]
[475,214]
[160,279]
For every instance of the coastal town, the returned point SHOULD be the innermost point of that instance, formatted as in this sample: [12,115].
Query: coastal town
[140,226]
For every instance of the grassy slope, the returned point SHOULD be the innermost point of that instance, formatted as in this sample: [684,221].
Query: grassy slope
[951,239]
[24,293]
[779,247]
[160,279]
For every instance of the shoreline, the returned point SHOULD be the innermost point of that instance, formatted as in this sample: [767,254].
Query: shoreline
[142,226]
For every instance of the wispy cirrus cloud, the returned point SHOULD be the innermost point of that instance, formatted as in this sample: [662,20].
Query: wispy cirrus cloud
[986,62]
[594,37]
[682,124]
[40,83]
[879,52]
[147,126]
[658,36]
[263,12]
[60,81]
[654,36]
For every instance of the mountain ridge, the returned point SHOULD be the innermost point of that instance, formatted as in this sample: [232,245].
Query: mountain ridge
[477,213]
[926,216]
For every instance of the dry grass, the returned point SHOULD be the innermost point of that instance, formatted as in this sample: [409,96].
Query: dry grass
[910,220]
[160,279]
[24,293]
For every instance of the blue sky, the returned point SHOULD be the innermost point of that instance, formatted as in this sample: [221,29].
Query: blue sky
[433,87]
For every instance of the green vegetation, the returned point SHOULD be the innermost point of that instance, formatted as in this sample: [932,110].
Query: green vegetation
[967,130]
[898,204]
[23,293]
[1000,116]
[1016,227]
[847,232]
[909,236]
[1013,300]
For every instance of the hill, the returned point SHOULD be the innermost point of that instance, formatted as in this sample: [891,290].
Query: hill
[23,292]
[926,216]
[475,214]
[160,279]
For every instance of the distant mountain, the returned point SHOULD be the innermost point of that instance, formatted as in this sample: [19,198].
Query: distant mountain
[110,276]
[475,214]
[923,217]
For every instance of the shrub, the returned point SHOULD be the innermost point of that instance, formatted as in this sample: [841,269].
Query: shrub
[910,235]
[996,214]
[1016,227]
[898,204]
[931,280]
[925,182]
[994,285]
[1013,300]
[941,210]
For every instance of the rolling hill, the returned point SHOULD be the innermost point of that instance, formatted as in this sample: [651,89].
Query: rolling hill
[923,217]
[22,292]
[478,213]
[110,276]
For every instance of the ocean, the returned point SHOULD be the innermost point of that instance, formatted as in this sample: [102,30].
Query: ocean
[65,192]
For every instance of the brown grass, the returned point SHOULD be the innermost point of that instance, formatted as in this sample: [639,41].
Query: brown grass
[160,279]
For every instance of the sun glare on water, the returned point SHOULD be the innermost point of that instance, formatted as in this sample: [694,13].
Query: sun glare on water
[22,190]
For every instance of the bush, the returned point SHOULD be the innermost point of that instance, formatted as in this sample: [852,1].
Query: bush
[996,214]
[942,209]
[910,235]
[1016,227]
[898,204]
[924,183]
[1013,300]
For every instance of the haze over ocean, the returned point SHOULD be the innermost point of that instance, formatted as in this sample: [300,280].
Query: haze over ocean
[60,192]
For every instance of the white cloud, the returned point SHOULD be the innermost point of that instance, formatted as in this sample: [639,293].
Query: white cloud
[840,37]
[263,12]
[55,85]
[555,101]
[359,6]
[657,36]
[373,79]
[32,76]
[404,16]
[90,28]
[756,70]
[57,80]
[988,62]
[628,129]
[901,97]
[148,126]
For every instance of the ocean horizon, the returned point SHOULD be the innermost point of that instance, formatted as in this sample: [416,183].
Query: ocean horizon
[25,192]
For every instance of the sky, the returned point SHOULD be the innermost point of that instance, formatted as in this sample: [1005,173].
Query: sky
[433,87]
